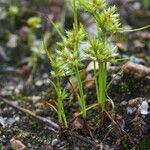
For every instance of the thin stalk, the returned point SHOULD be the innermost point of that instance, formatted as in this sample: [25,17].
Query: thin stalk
[75,16]
[75,28]
[64,116]
[61,112]
[102,84]
[89,108]
[134,30]
[56,28]
[102,74]
[81,97]
[59,100]
[112,80]
[96,81]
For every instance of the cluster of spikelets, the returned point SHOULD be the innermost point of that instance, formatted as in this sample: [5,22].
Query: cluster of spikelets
[68,61]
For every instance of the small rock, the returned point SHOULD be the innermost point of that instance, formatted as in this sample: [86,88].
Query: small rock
[35,99]
[90,66]
[135,102]
[122,47]
[89,82]
[83,46]
[123,103]
[39,112]
[3,139]
[103,147]
[138,44]
[39,83]
[12,43]
[137,60]
[18,88]
[40,105]
[117,79]
[45,75]
[137,5]
[2,122]
[131,110]
[16,144]
[46,81]
[145,35]
[17,118]
[55,142]
[136,70]
[92,31]
[144,108]
[11,121]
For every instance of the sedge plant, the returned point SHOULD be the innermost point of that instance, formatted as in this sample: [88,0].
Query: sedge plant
[69,58]
[56,73]
[68,61]
[107,22]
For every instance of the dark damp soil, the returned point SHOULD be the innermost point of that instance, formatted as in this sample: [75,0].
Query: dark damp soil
[31,89]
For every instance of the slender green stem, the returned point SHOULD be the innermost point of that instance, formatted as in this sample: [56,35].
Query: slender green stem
[61,112]
[81,98]
[111,81]
[102,73]
[75,28]
[96,82]
[59,100]
[102,84]
[56,28]
[75,16]
[134,30]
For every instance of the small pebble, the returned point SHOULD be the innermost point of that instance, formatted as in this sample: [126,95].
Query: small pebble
[131,110]
[2,122]
[39,83]
[123,103]
[135,102]
[40,105]
[144,108]
[55,142]
[17,118]
[137,60]
[35,99]
[137,71]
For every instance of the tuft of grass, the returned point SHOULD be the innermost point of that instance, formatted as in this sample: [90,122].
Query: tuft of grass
[107,22]
[61,94]
[67,61]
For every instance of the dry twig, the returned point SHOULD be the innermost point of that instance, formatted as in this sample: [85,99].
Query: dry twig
[52,126]
[42,119]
